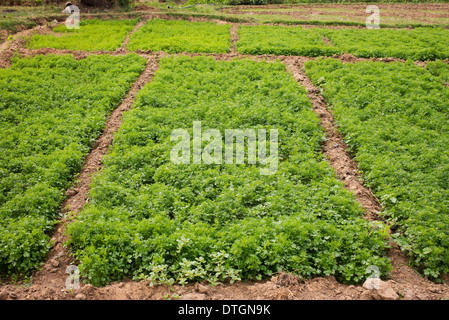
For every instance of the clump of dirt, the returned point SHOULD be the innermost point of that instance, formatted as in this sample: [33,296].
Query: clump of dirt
[285,280]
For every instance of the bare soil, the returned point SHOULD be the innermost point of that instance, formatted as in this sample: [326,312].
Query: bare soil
[49,282]
[17,45]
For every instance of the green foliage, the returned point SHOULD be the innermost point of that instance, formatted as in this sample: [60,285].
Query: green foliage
[232,2]
[152,219]
[439,69]
[263,2]
[93,35]
[52,109]
[282,41]
[395,119]
[181,36]
[417,44]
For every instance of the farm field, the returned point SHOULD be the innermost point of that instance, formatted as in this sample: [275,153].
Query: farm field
[16,18]
[353,185]
[280,40]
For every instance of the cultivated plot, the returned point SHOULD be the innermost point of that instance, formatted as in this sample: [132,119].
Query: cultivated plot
[281,40]
[93,35]
[439,69]
[151,218]
[395,119]
[175,36]
[52,109]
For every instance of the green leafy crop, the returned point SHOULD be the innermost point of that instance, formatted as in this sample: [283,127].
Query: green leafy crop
[282,40]
[417,44]
[93,35]
[52,109]
[181,36]
[152,219]
[395,118]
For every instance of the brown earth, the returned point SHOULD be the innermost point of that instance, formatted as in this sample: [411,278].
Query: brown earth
[334,147]
[417,12]
[49,282]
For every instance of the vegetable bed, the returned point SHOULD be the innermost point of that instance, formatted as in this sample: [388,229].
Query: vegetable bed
[395,118]
[149,218]
[52,109]
[93,35]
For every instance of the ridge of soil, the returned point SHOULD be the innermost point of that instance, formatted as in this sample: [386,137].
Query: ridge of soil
[417,12]
[335,148]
